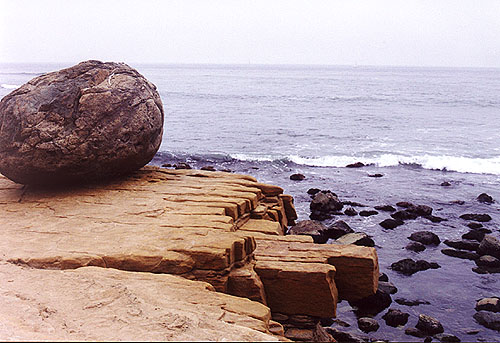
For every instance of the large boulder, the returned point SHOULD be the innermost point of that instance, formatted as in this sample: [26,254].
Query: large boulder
[91,121]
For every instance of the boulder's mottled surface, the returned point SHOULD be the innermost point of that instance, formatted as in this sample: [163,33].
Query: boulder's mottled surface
[90,121]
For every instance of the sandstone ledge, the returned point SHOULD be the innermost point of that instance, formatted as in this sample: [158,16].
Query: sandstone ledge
[215,227]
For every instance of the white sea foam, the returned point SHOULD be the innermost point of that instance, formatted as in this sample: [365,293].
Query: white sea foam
[7,86]
[442,162]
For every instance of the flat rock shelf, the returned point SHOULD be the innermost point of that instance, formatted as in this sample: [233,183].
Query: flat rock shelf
[91,262]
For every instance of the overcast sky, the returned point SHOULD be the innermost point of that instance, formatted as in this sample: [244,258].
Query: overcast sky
[347,32]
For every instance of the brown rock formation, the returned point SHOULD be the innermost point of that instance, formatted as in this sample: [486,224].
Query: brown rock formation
[91,121]
[220,228]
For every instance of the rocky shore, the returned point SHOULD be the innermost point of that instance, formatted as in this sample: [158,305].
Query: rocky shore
[169,255]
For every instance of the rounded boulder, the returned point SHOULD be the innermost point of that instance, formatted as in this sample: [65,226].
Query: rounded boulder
[88,122]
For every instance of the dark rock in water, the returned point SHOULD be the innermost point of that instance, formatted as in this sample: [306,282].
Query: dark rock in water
[490,245]
[476,235]
[445,184]
[395,317]
[368,213]
[356,238]
[408,266]
[350,211]
[345,337]
[404,204]
[488,262]
[391,223]
[415,332]
[208,168]
[297,177]
[353,203]
[435,219]
[446,337]
[367,324]
[488,319]
[338,229]
[383,277]
[476,217]
[324,204]
[374,303]
[463,244]
[386,208]
[458,202]
[313,228]
[429,325]
[89,122]
[313,191]
[421,210]
[488,304]
[474,225]
[387,287]
[182,165]
[406,302]
[485,198]
[425,237]
[355,165]
[404,215]
[375,175]
[415,246]
[468,255]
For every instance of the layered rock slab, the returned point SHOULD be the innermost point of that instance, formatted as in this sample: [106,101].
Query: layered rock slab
[94,304]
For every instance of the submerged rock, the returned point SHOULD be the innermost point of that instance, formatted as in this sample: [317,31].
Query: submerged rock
[88,122]
[415,246]
[429,325]
[468,255]
[408,266]
[406,302]
[446,337]
[462,244]
[367,324]
[425,237]
[491,320]
[386,208]
[395,317]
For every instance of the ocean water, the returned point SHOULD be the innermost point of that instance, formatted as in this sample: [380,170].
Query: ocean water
[418,127]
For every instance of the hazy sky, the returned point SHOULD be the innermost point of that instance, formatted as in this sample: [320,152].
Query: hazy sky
[364,32]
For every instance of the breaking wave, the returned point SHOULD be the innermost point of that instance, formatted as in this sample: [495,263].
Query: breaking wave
[7,86]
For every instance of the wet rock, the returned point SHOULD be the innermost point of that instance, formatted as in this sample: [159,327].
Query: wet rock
[324,204]
[476,234]
[350,212]
[404,215]
[395,317]
[357,238]
[89,122]
[345,337]
[368,213]
[385,208]
[415,332]
[415,246]
[445,184]
[374,303]
[429,325]
[408,266]
[462,244]
[474,225]
[421,210]
[182,165]
[338,229]
[425,237]
[468,255]
[375,175]
[406,302]
[391,224]
[457,202]
[404,204]
[488,262]
[387,287]
[340,323]
[383,277]
[355,165]
[446,337]
[313,228]
[485,198]
[488,304]
[297,177]
[367,324]
[491,320]
[313,191]
[490,245]
[476,217]
[435,219]
[208,168]
[353,203]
